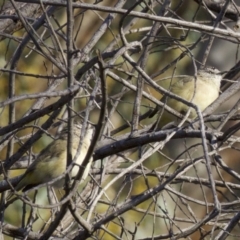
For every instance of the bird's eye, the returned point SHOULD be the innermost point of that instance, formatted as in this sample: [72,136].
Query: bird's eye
[213,70]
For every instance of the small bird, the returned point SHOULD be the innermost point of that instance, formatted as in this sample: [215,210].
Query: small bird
[52,160]
[202,91]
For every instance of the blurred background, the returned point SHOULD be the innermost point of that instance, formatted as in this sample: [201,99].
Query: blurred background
[169,48]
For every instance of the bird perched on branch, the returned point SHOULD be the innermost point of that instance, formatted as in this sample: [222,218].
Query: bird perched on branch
[201,90]
[52,160]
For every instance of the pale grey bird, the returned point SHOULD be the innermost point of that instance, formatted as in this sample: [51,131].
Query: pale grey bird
[52,160]
[202,91]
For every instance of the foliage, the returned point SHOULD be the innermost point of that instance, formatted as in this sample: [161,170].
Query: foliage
[103,61]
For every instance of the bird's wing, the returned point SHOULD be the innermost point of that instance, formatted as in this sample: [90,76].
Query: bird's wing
[183,87]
